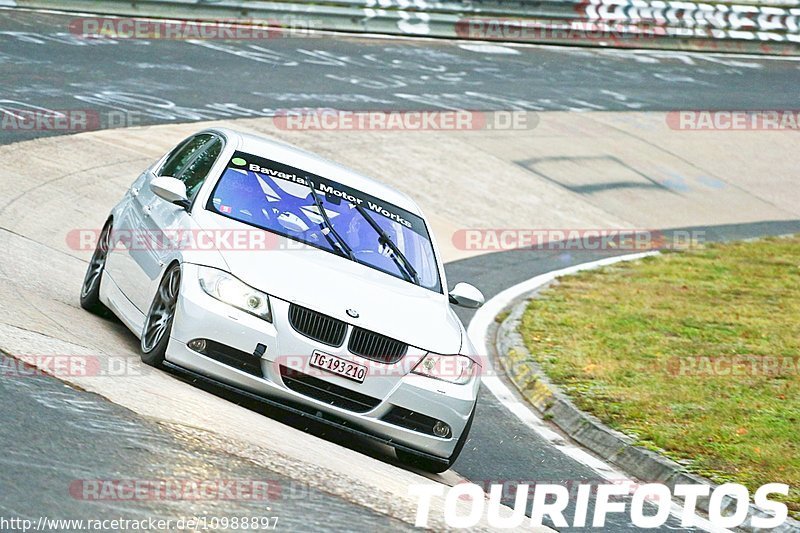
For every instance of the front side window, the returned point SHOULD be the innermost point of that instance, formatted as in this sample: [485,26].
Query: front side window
[277,198]
[183,154]
[197,169]
[192,160]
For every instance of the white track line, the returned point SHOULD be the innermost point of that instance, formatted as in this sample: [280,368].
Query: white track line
[478,332]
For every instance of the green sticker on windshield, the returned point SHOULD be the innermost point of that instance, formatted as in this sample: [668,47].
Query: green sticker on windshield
[238,161]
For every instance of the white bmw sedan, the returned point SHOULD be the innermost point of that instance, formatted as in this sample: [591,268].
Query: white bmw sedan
[264,268]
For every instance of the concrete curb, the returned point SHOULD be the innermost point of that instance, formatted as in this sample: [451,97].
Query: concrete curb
[611,445]
[545,22]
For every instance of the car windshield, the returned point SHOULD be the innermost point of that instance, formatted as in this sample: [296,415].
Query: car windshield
[277,198]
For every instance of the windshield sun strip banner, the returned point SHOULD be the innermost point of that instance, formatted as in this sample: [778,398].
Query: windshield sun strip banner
[276,170]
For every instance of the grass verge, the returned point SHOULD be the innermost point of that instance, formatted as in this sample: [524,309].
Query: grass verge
[694,354]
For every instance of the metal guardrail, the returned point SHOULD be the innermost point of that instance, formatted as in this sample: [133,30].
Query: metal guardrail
[500,4]
[661,24]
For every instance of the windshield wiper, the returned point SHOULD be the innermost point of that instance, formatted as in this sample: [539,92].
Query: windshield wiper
[401,260]
[340,242]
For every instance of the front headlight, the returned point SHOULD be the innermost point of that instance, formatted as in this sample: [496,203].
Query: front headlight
[226,288]
[456,369]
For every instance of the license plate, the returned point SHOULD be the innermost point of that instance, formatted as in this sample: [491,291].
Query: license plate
[340,367]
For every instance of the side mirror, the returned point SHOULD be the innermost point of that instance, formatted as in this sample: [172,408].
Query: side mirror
[466,295]
[170,189]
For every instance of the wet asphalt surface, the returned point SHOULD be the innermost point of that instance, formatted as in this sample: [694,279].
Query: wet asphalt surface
[61,435]
[132,82]
[68,454]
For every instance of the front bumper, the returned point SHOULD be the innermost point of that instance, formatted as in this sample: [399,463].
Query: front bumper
[390,390]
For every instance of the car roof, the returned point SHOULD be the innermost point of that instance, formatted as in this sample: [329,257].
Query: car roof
[285,153]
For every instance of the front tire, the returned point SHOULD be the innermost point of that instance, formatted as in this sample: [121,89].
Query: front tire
[437,467]
[90,289]
[158,324]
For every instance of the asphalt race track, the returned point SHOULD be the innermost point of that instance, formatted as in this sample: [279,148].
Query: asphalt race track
[167,81]
[112,437]
[140,83]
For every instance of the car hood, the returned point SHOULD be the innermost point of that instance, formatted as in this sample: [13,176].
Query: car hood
[332,284]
